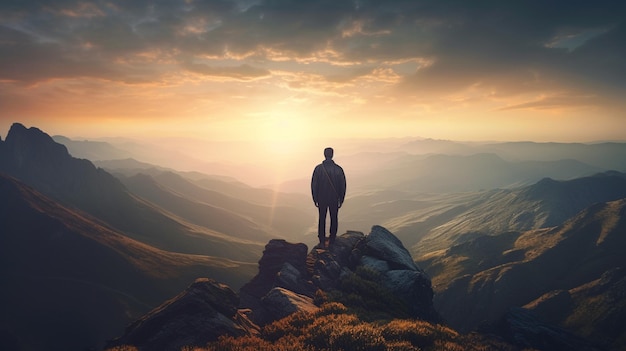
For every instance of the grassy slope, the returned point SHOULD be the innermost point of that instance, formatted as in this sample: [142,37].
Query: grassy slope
[70,279]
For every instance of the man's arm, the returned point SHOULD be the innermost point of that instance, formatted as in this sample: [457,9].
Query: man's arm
[342,185]
[315,185]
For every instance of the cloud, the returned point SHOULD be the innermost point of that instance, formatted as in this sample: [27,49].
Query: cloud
[503,48]
[242,72]
[555,102]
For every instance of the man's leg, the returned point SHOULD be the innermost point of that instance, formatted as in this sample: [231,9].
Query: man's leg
[321,226]
[334,212]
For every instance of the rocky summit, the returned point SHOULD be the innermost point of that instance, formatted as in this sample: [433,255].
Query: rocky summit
[201,313]
[290,279]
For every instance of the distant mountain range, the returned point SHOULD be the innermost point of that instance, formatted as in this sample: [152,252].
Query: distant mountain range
[33,157]
[431,222]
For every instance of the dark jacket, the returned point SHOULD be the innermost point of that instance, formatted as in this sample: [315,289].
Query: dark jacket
[322,190]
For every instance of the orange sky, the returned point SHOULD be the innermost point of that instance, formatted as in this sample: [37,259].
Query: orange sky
[288,71]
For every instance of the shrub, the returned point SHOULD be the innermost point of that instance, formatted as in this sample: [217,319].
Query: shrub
[123,348]
[417,332]
[361,337]
[290,325]
[331,308]
[318,334]
[363,294]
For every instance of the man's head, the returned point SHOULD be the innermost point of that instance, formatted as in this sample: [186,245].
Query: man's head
[328,153]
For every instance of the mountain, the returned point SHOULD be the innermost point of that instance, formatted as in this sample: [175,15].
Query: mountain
[91,150]
[33,157]
[276,213]
[372,274]
[518,268]
[205,214]
[604,155]
[283,214]
[428,223]
[225,185]
[459,173]
[71,282]
[595,310]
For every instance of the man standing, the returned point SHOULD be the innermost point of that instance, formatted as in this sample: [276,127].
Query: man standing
[328,187]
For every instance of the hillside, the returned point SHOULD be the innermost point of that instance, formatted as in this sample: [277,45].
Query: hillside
[428,223]
[496,273]
[33,157]
[276,214]
[70,281]
[199,213]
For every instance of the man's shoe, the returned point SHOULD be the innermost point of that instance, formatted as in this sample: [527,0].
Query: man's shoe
[331,241]
[322,244]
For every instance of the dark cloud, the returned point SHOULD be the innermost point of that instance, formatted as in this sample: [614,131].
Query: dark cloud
[505,45]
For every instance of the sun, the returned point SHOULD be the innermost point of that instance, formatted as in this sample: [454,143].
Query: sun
[285,133]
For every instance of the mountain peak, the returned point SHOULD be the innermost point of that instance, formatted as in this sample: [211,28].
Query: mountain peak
[32,143]
[373,273]
[378,258]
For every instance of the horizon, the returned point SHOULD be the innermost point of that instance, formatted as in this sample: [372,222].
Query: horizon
[262,71]
[284,166]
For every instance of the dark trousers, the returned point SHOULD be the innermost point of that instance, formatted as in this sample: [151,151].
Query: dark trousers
[333,209]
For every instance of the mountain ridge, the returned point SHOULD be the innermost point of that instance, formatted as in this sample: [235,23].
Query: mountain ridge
[60,264]
[564,257]
[33,157]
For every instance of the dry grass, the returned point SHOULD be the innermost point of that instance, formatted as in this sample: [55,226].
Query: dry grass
[335,328]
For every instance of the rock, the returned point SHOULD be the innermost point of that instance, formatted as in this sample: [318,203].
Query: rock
[283,264]
[386,246]
[376,264]
[297,281]
[277,252]
[414,289]
[282,302]
[203,312]
[288,281]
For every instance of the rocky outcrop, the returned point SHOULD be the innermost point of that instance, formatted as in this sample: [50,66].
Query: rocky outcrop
[286,269]
[203,312]
[289,280]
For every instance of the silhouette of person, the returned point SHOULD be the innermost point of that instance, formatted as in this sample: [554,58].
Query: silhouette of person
[328,187]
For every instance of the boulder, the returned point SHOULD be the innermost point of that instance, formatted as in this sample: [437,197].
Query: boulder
[387,247]
[376,264]
[288,281]
[277,252]
[414,289]
[198,315]
[282,302]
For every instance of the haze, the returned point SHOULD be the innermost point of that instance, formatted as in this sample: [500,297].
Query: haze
[285,77]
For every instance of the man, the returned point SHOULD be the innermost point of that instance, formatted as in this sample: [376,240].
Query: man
[328,187]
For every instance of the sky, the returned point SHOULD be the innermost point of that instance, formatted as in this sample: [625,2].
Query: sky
[287,71]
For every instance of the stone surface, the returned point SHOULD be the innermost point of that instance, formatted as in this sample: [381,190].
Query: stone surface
[288,281]
[386,246]
[414,289]
[282,302]
[203,312]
